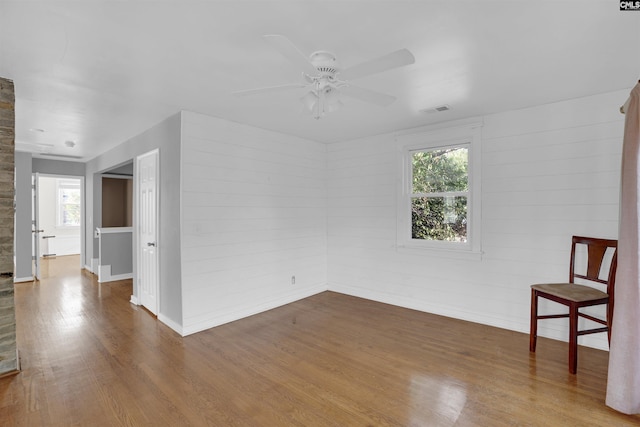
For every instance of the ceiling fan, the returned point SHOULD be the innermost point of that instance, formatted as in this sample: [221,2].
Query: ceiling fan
[326,82]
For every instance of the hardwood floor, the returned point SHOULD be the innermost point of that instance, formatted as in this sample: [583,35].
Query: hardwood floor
[89,357]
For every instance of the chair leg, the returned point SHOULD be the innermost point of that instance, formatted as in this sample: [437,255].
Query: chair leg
[533,334]
[573,338]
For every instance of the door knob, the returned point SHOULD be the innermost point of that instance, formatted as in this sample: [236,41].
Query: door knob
[151,243]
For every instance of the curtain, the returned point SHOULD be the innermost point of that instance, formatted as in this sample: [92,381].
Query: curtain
[623,384]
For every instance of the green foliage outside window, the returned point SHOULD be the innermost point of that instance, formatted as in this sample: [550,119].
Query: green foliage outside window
[440,188]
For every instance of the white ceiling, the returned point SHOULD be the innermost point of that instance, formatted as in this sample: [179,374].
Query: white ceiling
[100,72]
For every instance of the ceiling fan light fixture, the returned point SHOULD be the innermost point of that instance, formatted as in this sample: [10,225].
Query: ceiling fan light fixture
[332,101]
[334,107]
[327,102]
[310,100]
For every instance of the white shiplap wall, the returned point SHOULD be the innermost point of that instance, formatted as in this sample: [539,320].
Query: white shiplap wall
[547,173]
[253,215]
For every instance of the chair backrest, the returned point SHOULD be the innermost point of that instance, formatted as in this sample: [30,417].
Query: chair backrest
[596,251]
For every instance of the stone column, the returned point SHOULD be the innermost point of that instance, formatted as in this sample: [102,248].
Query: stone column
[8,353]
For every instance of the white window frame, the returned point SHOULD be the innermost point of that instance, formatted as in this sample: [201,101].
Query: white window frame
[441,137]
[62,183]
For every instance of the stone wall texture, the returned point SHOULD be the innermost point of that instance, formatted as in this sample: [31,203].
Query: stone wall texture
[8,353]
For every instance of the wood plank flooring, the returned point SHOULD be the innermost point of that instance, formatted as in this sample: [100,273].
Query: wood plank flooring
[90,358]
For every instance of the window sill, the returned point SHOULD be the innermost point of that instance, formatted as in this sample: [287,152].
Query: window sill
[462,254]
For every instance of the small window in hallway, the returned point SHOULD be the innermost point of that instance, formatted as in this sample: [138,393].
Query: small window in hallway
[68,203]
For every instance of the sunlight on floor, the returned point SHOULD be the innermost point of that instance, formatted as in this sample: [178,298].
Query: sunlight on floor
[55,266]
[444,394]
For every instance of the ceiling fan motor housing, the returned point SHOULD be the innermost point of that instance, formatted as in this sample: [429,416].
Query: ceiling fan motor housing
[325,62]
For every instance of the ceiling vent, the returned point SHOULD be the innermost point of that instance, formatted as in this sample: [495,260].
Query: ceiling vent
[438,109]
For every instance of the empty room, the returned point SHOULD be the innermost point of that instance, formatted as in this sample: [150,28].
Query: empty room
[320,213]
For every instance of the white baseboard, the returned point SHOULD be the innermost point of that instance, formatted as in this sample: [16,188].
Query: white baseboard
[231,316]
[420,305]
[170,323]
[104,275]
[457,313]
[103,272]
[134,300]
[22,279]
[121,277]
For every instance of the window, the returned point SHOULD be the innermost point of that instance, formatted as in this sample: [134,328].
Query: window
[439,194]
[68,203]
[439,203]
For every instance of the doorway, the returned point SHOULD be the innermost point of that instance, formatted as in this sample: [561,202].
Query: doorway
[58,218]
[115,231]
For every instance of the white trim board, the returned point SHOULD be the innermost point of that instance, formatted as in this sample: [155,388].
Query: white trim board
[111,230]
[455,313]
[104,275]
[170,323]
[232,316]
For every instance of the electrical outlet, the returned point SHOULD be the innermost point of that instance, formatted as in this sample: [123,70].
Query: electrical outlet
[293,280]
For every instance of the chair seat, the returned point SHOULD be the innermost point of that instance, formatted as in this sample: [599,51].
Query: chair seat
[570,291]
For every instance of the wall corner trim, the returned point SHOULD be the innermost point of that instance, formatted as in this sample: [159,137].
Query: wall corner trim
[170,323]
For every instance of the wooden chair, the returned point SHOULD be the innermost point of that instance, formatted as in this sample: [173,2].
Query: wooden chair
[576,296]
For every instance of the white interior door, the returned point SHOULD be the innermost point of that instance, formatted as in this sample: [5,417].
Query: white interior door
[147,179]
[35,211]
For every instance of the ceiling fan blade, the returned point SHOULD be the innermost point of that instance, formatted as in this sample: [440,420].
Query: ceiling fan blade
[367,95]
[291,52]
[396,59]
[269,89]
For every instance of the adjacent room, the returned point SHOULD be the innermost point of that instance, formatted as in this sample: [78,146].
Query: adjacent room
[320,213]
[58,208]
